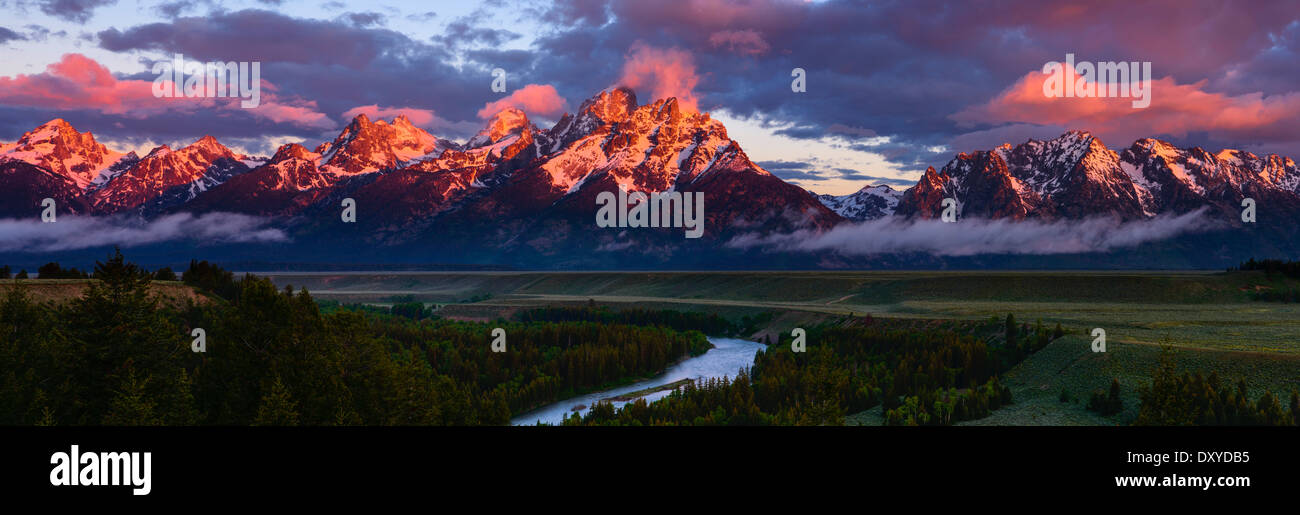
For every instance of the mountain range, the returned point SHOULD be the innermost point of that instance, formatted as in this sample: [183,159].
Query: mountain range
[518,194]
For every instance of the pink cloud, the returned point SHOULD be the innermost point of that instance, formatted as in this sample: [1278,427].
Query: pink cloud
[534,99]
[743,42]
[75,82]
[302,113]
[1175,109]
[418,117]
[79,82]
[664,72]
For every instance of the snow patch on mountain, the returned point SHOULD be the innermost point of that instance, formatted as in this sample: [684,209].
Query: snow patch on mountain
[59,148]
[868,203]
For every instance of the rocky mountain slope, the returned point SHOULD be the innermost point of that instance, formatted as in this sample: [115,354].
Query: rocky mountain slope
[517,189]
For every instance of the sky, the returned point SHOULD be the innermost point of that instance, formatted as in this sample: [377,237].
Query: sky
[891,87]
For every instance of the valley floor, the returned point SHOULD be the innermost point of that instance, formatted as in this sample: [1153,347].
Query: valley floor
[1209,318]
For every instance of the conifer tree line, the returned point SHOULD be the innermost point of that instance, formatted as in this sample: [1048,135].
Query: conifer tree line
[709,323]
[918,377]
[119,356]
[1271,266]
[1289,269]
[1177,397]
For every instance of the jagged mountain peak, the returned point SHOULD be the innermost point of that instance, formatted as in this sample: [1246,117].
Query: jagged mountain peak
[869,203]
[57,146]
[360,120]
[199,165]
[158,151]
[292,151]
[651,147]
[611,105]
[1076,175]
[364,146]
[1155,145]
[512,167]
[207,141]
[47,130]
[506,122]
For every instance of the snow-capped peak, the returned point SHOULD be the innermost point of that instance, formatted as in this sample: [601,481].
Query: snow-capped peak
[504,123]
[869,203]
[58,147]
[364,146]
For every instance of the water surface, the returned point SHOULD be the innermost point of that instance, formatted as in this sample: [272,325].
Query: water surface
[725,359]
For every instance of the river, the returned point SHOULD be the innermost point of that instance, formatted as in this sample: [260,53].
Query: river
[726,358]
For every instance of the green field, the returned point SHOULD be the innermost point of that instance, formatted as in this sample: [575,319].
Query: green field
[1210,318]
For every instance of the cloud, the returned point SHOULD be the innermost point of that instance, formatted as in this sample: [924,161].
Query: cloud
[1176,109]
[851,132]
[743,42]
[363,19]
[792,170]
[79,82]
[73,10]
[424,16]
[332,62]
[663,72]
[902,68]
[80,232]
[7,35]
[969,237]
[465,32]
[41,34]
[534,99]
[854,175]
[573,12]
[76,81]
[258,35]
[418,117]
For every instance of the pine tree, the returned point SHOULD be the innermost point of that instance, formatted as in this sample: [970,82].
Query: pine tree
[165,274]
[1012,336]
[1113,401]
[178,404]
[278,407]
[119,322]
[131,406]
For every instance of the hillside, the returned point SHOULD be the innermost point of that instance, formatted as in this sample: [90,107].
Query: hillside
[62,291]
